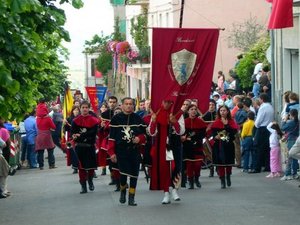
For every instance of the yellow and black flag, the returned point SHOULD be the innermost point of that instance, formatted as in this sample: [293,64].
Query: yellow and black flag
[67,110]
[68,102]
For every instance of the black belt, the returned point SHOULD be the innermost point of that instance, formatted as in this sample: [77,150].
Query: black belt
[83,145]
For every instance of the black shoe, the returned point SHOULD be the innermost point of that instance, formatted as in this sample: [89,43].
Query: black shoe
[91,184]
[12,171]
[75,171]
[191,183]
[197,182]
[223,184]
[112,182]
[83,187]
[95,175]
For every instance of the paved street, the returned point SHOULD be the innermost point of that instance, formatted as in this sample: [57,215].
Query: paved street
[51,197]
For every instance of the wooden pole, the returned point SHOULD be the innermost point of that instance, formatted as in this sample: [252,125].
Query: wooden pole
[181,13]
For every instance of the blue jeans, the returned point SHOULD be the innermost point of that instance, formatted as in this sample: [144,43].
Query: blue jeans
[247,153]
[292,164]
[31,155]
[255,89]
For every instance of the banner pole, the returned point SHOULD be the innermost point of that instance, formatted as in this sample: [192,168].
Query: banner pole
[181,14]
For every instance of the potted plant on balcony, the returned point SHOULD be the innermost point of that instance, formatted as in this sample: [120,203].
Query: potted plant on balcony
[139,32]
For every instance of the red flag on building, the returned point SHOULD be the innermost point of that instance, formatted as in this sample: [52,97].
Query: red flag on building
[281,15]
[182,65]
[92,93]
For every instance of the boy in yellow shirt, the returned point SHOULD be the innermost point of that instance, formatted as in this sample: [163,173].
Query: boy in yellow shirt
[247,142]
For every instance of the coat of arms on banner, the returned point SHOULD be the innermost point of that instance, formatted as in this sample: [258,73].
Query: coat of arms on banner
[183,63]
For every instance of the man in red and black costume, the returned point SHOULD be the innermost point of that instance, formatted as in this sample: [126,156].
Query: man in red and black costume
[84,131]
[127,133]
[166,172]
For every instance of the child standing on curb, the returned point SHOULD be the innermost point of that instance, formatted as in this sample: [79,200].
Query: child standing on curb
[275,155]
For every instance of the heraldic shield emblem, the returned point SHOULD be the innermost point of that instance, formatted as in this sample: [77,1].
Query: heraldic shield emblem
[183,63]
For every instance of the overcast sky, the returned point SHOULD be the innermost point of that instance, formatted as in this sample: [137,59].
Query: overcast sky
[83,24]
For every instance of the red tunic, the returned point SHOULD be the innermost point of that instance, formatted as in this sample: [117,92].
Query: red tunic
[44,124]
[194,132]
[103,143]
[161,168]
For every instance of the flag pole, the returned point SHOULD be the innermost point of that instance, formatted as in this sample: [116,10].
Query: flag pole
[181,14]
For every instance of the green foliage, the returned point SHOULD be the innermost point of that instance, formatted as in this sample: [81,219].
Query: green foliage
[31,55]
[139,32]
[98,44]
[246,66]
[244,35]
[117,35]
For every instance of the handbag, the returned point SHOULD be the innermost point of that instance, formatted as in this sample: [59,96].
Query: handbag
[169,155]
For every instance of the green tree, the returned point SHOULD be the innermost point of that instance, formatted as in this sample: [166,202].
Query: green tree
[117,35]
[244,35]
[246,66]
[31,54]
[99,44]
[139,32]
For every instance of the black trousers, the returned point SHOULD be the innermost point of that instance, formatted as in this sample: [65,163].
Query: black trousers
[261,146]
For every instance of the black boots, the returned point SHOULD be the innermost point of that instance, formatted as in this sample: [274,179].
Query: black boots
[131,195]
[183,179]
[83,187]
[131,201]
[122,199]
[223,185]
[211,171]
[91,184]
[228,180]
[112,181]
[197,182]
[191,183]
[118,187]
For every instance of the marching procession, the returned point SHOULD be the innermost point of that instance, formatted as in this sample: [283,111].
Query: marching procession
[170,148]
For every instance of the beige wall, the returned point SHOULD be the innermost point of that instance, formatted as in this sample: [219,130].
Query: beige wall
[223,13]
[211,14]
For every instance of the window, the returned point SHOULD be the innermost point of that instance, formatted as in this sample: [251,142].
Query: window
[93,67]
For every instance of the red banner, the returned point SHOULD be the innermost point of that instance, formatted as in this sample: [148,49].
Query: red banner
[281,15]
[182,65]
[92,93]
